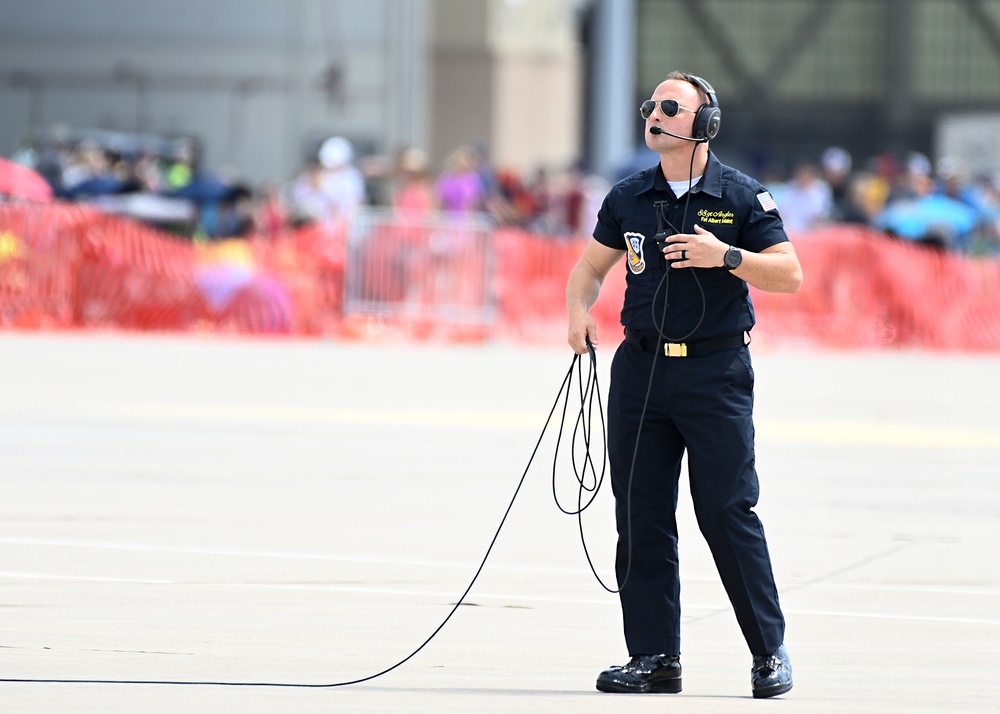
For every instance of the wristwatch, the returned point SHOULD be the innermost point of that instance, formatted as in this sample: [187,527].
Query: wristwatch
[733,258]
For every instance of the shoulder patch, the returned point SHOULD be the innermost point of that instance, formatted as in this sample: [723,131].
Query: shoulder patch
[636,259]
[767,201]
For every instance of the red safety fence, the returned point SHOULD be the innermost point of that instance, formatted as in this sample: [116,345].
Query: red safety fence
[384,277]
[863,289]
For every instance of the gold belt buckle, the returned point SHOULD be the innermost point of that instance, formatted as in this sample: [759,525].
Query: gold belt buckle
[675,349]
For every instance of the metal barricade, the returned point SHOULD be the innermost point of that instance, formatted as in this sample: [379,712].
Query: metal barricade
[415,268]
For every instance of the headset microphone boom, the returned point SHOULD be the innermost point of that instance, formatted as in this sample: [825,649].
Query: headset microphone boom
[658,130]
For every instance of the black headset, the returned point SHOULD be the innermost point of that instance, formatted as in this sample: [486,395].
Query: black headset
[708,118]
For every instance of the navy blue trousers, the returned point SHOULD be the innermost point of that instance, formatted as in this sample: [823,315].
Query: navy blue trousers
[703,405]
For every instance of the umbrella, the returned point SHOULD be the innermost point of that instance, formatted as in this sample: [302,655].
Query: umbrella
[23,182]
[917,219]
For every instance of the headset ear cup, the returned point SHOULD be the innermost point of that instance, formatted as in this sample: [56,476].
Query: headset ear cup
[712,119]
[706,122]
[699,126]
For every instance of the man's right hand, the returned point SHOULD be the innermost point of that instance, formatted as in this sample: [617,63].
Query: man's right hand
[581,329]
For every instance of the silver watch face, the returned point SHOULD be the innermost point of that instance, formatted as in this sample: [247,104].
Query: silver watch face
[733,258]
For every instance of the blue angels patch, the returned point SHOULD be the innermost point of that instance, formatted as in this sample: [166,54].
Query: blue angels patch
[636,260]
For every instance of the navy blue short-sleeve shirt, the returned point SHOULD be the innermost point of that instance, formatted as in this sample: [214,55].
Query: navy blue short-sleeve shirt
[730,204]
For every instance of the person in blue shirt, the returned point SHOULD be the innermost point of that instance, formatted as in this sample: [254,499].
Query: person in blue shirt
[695,233]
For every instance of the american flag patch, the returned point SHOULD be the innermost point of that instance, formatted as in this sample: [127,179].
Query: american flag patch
[767,201]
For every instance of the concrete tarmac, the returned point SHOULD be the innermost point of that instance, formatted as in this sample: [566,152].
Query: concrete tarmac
[210,517]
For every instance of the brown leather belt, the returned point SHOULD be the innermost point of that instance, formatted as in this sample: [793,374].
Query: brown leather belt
[686,349]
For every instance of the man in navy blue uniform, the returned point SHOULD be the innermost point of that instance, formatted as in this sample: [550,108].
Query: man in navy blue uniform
[695,233]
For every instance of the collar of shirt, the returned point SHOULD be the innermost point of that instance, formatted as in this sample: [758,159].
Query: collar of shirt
[711,180]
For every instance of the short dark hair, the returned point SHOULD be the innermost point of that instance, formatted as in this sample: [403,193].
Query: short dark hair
[689,78]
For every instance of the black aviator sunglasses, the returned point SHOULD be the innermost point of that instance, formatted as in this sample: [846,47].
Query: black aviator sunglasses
[669,107]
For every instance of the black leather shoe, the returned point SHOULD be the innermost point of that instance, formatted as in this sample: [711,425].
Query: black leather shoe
[771,675]
[643,674]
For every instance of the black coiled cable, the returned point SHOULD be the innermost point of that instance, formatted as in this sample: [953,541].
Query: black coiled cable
[589,392]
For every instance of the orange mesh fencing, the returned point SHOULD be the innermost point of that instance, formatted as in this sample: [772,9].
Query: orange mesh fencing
[863,289]
[37,265]
[68,267]
[128,277]
[63,266]
[531,288]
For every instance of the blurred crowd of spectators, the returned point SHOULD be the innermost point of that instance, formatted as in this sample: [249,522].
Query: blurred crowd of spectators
[335,185]
[940,205]
[167,188]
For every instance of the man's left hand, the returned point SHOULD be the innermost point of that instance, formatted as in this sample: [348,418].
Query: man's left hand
[700,249]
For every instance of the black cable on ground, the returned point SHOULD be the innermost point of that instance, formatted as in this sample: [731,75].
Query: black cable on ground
[588,391]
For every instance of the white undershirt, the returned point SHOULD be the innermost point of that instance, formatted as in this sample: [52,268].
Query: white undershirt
[681,187]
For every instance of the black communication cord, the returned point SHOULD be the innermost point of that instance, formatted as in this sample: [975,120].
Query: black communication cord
[660,324]
[665,280]
[589,391]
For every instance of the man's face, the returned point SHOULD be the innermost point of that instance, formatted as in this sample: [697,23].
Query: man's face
[688,99]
